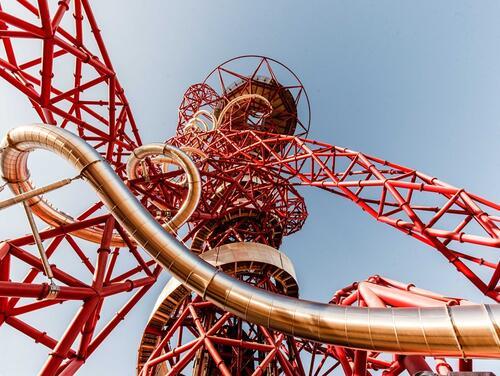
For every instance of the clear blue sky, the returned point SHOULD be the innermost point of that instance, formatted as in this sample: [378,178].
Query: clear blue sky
[417,83]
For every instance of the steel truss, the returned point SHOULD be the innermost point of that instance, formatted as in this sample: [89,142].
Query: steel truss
[93,105]
[440,215]
[381,292]
[251,180]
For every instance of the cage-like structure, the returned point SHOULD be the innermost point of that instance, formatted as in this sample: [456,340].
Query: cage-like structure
[244,130]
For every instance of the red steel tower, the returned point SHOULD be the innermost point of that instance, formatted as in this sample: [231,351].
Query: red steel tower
[244,212]
[244,121]
[227,186]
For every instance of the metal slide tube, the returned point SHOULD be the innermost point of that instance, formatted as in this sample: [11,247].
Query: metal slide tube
[239,99]
[173,155]
[19,182]
[458,331]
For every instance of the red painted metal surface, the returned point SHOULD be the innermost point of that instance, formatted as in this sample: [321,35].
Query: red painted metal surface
[381,292]
[203,340]
[252,163]
[54,54]
[251,159]
[67,76]
[433,212]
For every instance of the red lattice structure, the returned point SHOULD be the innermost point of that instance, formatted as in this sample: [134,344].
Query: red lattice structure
[245,127]
[54,54]
[433,212]
[186,331]
[380,292]
[87,99]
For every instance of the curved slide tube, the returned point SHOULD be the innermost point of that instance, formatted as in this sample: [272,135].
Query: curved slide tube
[173,155]
[461,331]
[18,180]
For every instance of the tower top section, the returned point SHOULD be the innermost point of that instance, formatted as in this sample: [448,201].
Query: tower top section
[247,92]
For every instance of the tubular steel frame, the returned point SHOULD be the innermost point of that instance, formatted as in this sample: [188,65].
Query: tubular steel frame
[70,37]
[205,324]
[381,292]
[436,213]
[94,106]
[273,348]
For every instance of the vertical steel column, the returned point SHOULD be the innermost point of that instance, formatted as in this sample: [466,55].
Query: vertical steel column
[4,276]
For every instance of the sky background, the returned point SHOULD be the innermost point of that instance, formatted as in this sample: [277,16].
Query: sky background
[416,83]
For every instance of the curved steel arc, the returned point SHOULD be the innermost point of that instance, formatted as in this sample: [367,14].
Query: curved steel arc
[19,181]
[468,331]
[436,213]
[239,99]
[193,178]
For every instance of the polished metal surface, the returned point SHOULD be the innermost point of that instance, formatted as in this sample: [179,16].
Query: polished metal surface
[179,158]
[249,256]
[230,258]
[230,254]
[17,176]
[38,241]
[243,98]
[193,123]
[458,331]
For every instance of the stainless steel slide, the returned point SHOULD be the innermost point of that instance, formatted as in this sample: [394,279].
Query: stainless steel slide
[462,331]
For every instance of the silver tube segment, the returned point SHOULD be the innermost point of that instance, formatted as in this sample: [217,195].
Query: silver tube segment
[242,98]
[457,331]
[178,157]
[18,180]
